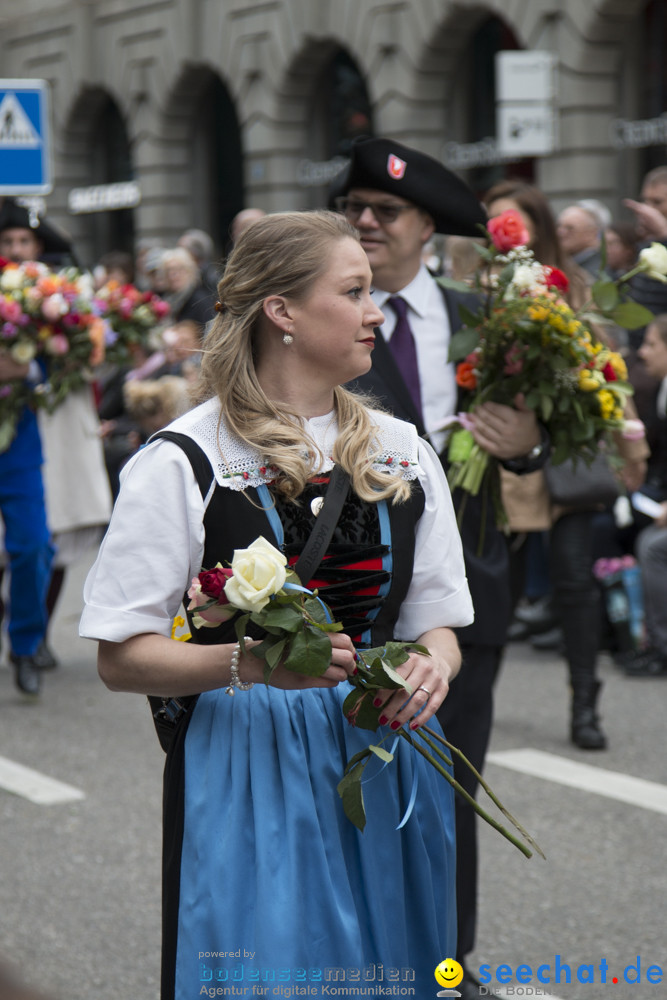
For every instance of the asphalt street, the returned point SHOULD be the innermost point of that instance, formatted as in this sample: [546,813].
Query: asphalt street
[80,887]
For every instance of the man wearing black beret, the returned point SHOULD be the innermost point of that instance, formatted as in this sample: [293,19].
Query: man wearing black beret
[398,197]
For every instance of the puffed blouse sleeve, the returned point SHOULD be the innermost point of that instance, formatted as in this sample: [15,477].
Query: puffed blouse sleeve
[438,594]
[152,548]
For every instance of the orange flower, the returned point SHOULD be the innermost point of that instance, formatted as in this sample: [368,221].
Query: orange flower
[96,334]
[465,375]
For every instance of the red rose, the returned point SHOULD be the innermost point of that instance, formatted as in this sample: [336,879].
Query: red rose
[465,375]
[609,373]
[3,263]
[507,230]
[555,278]
[212,583]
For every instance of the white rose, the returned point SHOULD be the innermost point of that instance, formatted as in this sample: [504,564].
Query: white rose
[11,279]
[524,277]
[23,351]
[653,260]
[258,572]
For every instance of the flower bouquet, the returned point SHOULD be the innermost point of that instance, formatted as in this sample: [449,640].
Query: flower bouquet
[131,314]
[526,341]
[59,320]
[260,588]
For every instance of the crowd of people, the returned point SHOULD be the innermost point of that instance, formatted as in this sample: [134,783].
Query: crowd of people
[323,344]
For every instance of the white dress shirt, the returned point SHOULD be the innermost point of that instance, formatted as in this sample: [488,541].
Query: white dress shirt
[429,322]
[155,542]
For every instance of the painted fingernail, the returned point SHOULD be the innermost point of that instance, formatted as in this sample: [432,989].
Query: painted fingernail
[414,725]
[377,702]
[395,724]
[383,720]
[355,671]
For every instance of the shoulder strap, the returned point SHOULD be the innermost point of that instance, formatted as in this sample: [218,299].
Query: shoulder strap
[325,525]
[198,459]
[168,712]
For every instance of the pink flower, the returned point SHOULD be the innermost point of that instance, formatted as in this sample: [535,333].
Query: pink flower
[633,430]
[513,360]
[54,307]
[57,345]
[507,231]
[10,310]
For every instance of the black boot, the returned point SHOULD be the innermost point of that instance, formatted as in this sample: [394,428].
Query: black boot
[585,729]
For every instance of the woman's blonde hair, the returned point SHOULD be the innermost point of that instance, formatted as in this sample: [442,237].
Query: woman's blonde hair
[284,254]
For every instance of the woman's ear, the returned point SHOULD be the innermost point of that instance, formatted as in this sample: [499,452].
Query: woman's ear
[277,310]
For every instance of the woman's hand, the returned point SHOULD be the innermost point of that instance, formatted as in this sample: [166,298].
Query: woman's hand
[429,678]
[341,666]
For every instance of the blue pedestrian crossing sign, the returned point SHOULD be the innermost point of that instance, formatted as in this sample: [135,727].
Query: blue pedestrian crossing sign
[25,156]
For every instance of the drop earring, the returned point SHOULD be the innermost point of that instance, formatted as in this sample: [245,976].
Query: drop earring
[288,339]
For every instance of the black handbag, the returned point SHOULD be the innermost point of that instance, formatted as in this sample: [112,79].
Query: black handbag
[580,485]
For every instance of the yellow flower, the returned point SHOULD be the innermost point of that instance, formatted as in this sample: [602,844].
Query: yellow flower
[537,313]
[619,366]
[590,381]
[607,403]
[179,622]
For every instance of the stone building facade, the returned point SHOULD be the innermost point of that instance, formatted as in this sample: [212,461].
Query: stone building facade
[212,105]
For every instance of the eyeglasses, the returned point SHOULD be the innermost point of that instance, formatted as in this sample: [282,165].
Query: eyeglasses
[385,212]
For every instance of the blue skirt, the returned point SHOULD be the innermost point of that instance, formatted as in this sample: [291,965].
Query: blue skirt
[279,893]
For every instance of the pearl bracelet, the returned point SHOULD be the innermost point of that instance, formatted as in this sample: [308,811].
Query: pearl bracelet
[234,679]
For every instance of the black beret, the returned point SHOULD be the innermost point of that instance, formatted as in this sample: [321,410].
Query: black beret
[386,165]
[14,216]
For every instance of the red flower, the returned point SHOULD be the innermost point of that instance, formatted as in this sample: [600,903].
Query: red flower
[213,581]
[609,373]
[507,230]
[555,278]
[3,263]
[465,375]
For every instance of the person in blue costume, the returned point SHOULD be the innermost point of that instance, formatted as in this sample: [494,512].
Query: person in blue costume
[267,885]
[22,506]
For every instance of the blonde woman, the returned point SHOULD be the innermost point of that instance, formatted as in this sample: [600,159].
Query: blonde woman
[264,875]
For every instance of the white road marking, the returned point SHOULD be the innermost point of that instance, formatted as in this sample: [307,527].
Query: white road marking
[35,787]
[563,771]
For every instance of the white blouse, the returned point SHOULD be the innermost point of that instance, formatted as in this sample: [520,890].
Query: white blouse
[155,541]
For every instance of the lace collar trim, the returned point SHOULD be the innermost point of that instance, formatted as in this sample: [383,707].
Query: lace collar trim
[237,466]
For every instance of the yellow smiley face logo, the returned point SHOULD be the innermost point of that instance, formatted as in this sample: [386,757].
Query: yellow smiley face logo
[449,972]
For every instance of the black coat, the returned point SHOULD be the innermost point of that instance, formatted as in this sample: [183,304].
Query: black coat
[488,572]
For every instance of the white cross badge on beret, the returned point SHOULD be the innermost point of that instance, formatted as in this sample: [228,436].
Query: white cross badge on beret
[396,167]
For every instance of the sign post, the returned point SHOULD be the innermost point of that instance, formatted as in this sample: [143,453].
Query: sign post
[25,148]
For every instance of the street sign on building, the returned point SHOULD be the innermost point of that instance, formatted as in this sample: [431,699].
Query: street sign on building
[25,155]
[526,102]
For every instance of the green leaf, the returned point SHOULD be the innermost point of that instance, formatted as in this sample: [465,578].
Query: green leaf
[546,408]
[631,315]
[310,653]
[380,752]
[463,343]
[350,791]
[398,681]
[605,295]
[273,653]
[456,286]
[284,616]
[468,317]
[351,700]
[240,626]
[7,432]
[367,717]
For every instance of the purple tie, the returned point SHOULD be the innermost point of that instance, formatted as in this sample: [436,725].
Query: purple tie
[404,349]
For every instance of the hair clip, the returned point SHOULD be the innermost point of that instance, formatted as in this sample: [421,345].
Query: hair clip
[219,307]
